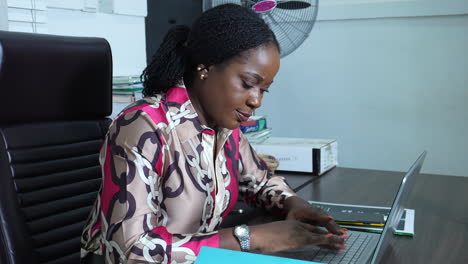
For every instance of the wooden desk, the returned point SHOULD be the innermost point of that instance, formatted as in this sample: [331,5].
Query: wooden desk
[441,204]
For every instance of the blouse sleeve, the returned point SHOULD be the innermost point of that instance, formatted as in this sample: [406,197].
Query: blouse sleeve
[257,183]
[132,195]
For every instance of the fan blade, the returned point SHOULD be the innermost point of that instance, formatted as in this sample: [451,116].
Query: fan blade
[293,5]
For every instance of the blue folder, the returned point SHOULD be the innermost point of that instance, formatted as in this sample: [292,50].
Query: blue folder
[209,255]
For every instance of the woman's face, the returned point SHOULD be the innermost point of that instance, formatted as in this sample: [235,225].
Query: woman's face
[229,94]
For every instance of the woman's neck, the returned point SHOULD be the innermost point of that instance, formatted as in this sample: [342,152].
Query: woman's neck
[199,108]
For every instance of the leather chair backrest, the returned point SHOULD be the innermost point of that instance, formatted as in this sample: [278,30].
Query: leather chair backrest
[55,95]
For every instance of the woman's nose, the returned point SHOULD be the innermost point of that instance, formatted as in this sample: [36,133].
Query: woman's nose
[255,99]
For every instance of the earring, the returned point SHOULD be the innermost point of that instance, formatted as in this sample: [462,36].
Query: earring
[199,68]
[202,76]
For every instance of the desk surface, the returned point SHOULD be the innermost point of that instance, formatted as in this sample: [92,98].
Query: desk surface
[441,204]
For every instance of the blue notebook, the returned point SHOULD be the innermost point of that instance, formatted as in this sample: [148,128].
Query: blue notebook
[209,255]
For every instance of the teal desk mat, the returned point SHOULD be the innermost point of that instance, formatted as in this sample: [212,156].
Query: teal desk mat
[209,255]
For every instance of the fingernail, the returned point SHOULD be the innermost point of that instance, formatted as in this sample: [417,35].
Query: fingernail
[343,247]
[344,237]
[328,235]
[330,217]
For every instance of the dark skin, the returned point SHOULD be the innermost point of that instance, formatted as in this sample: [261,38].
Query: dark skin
[223,95]
[232,89]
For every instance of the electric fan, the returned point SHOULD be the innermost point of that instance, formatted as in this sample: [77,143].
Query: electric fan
[291,21]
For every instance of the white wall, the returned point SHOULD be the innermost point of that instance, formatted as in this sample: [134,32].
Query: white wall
[125,33]
[386,88]
[3,15]
[121,22]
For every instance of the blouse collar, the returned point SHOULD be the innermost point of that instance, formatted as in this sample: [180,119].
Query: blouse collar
[184,116]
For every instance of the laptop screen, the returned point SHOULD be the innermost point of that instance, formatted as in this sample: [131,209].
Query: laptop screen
[398,206]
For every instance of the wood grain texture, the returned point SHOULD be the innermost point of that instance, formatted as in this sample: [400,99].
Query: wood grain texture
[441,204]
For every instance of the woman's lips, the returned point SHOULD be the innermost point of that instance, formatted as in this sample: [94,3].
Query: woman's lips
[243,116]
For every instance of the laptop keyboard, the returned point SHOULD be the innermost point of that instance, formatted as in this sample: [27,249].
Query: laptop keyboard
[355,245]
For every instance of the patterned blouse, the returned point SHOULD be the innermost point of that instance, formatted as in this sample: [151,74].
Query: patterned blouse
[164,193]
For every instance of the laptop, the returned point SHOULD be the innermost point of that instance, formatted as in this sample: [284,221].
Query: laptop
[364,247]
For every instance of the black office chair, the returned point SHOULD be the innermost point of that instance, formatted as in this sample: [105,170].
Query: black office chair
[55,94]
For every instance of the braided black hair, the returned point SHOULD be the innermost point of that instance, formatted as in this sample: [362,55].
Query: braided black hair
[219,34]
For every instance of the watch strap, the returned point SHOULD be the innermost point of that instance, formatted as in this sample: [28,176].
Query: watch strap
[242,233]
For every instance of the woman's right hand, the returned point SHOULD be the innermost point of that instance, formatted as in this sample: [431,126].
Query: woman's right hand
[288,234]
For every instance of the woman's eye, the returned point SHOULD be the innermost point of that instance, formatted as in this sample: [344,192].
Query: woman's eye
[265,91]
[246,85]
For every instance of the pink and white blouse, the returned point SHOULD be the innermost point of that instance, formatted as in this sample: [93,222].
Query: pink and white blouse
[164,193]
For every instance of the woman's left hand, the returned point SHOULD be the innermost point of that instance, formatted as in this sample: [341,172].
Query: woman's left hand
[300,210]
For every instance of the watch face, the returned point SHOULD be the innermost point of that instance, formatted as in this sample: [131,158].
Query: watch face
[241,231]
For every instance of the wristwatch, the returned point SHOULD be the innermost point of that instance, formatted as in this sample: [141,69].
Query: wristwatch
[242,233]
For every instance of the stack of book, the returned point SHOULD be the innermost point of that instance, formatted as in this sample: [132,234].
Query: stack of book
[126,89]
[255,129]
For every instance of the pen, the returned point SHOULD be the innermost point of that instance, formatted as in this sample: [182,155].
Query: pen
[359,223]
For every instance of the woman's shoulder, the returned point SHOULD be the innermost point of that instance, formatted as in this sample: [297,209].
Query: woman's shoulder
[147,112]
[152,107]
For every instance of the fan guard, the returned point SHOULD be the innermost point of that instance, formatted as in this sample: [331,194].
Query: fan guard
[291,21]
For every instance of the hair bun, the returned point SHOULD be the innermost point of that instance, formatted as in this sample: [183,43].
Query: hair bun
[180,34]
